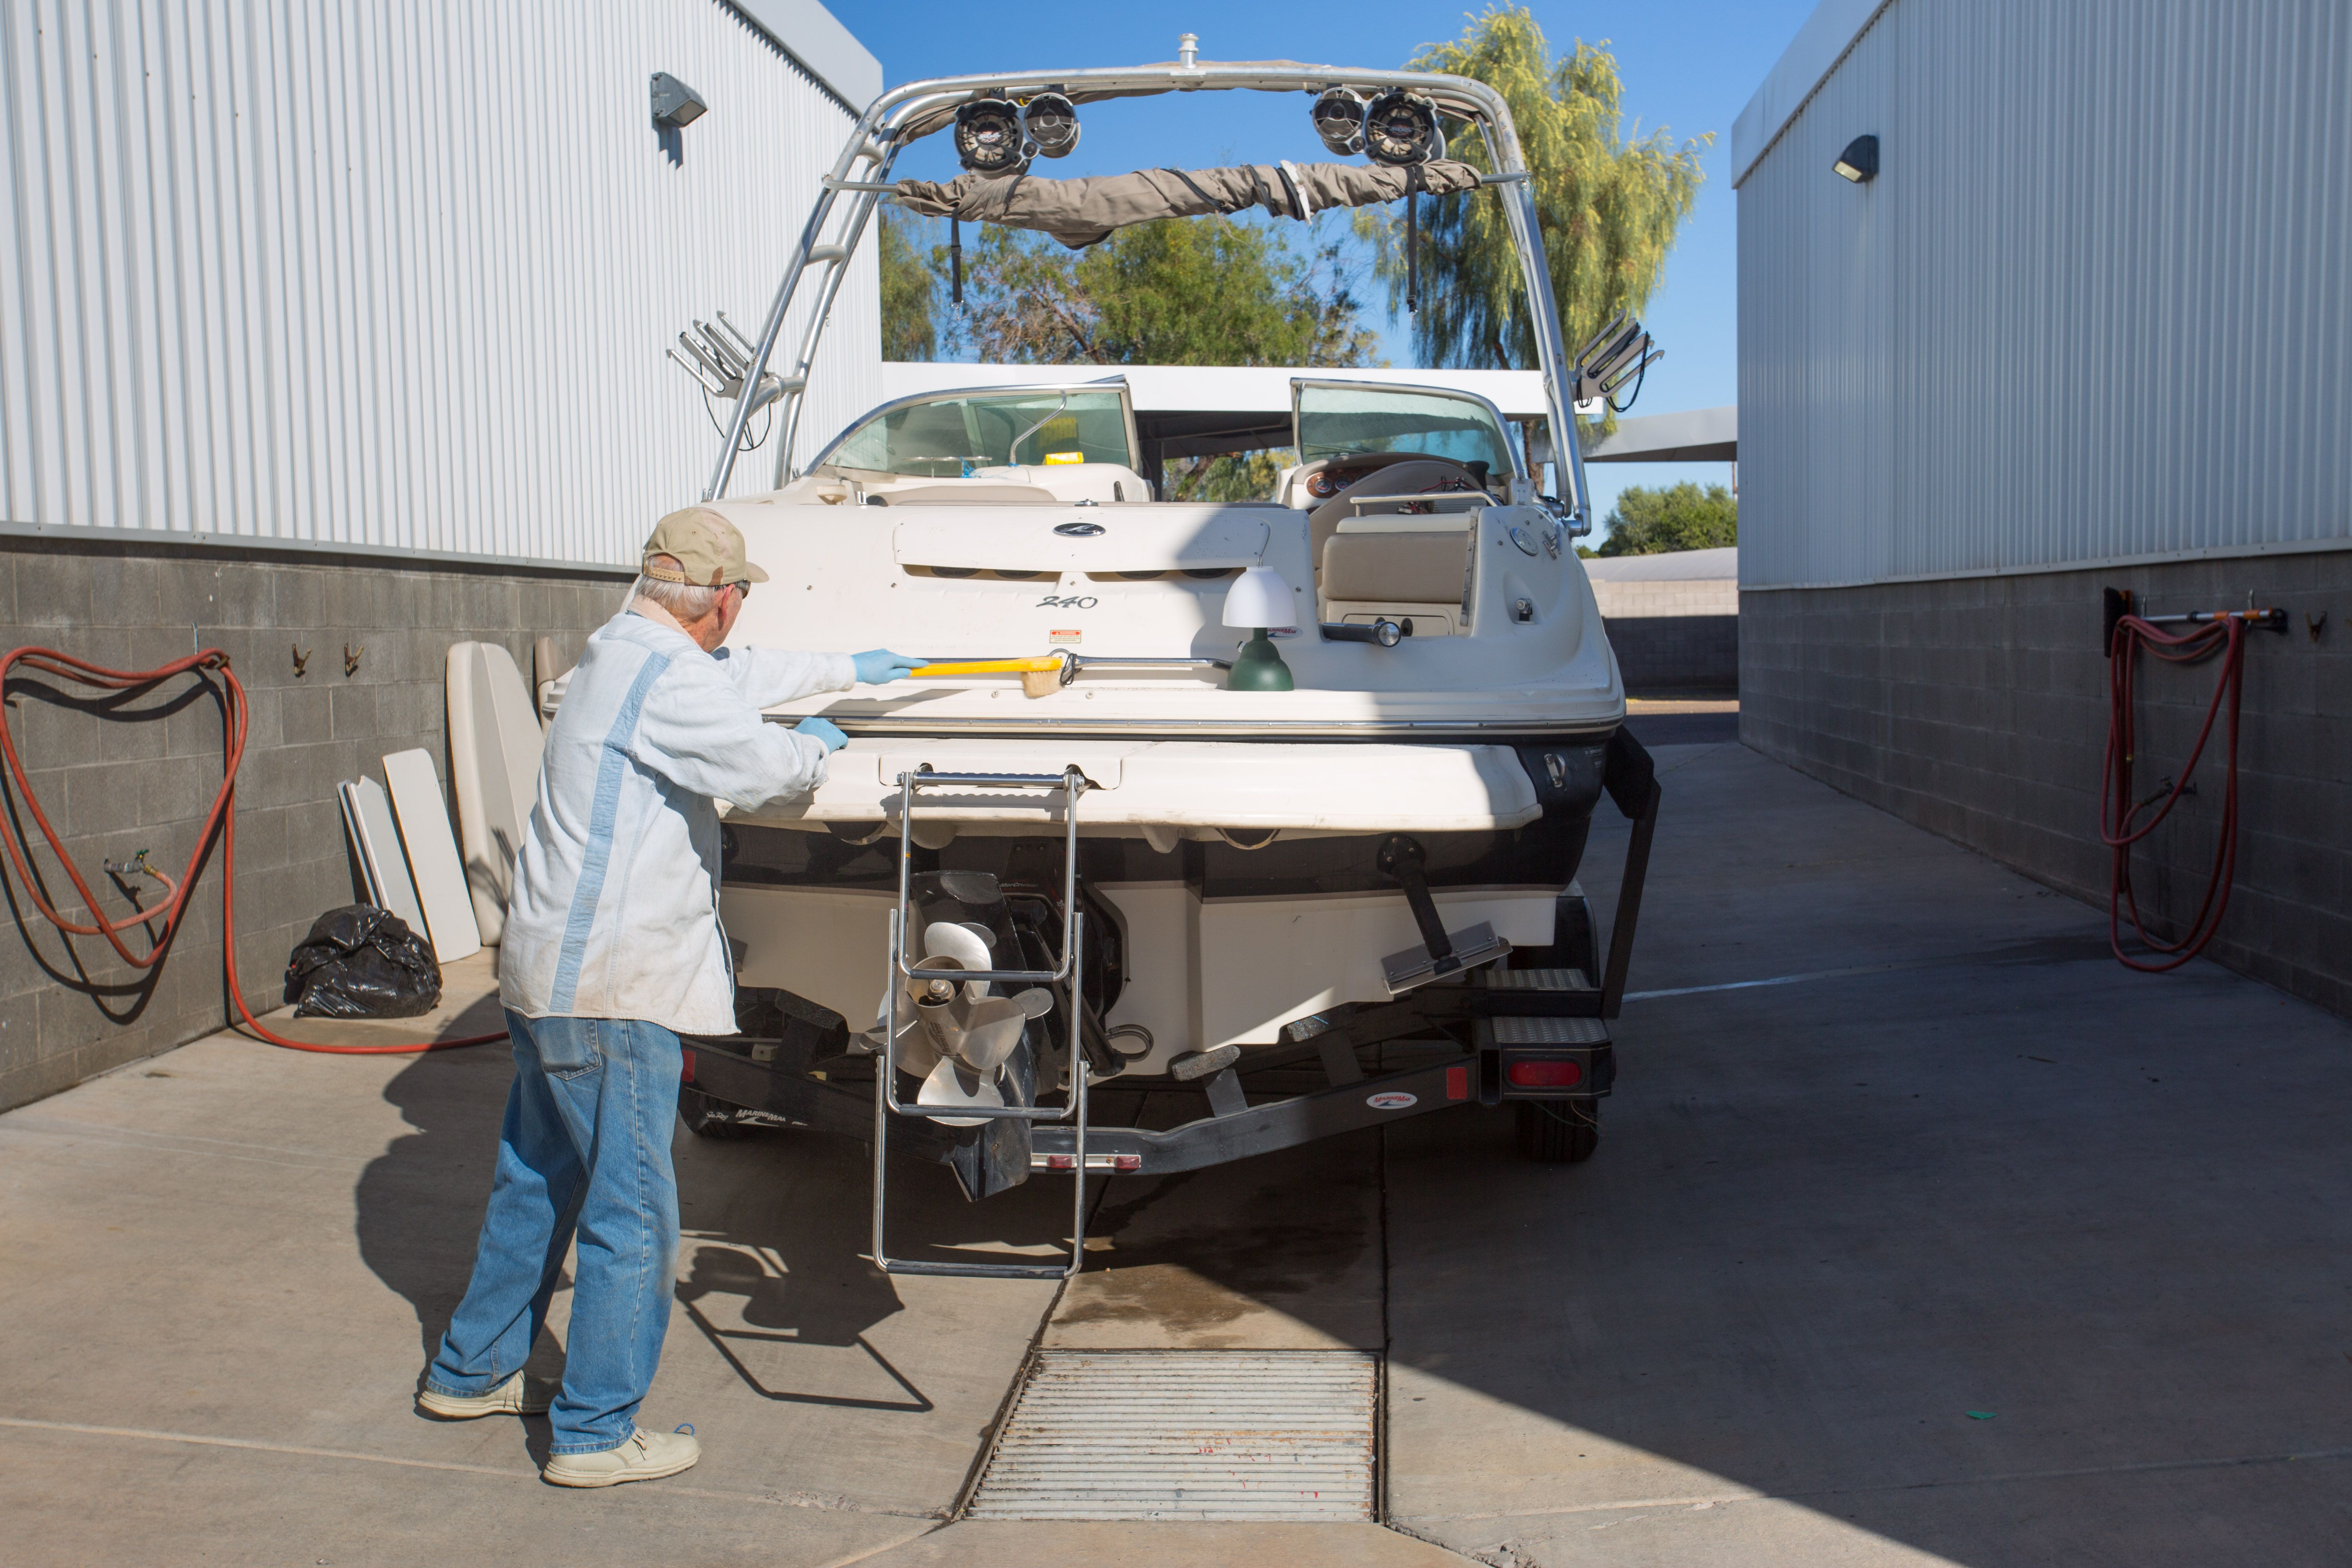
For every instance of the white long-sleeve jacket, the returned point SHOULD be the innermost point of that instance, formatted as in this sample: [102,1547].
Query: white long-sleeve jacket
[614,912]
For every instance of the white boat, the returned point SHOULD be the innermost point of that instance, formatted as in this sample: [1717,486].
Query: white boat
[1304,777]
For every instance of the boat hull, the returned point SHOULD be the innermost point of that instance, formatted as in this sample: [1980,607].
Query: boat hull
[1227,931]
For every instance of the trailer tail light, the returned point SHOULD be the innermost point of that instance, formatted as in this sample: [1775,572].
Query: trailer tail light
[685,1066]
[1457,1083]
[1547,1067]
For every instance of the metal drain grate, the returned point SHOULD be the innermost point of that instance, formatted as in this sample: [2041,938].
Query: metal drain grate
[1143,1435]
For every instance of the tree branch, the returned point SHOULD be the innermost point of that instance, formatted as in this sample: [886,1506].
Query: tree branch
[1077,334]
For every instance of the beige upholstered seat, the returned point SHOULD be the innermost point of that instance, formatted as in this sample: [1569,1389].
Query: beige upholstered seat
[966,494]
[1105,484]
[1410,477]
[1396,568]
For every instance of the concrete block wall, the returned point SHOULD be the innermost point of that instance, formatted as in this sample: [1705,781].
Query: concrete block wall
[1689,597]
[117,774]
[1977,708]
[1673,633]
[1664,654]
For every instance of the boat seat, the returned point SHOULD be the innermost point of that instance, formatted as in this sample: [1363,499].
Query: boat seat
[1105,484]
[1414,476]
[1429,568]
[966,493]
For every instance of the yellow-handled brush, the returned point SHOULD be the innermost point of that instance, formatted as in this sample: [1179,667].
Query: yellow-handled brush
[1041,676]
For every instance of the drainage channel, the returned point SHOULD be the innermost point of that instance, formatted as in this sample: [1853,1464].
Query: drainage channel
[1188,1435]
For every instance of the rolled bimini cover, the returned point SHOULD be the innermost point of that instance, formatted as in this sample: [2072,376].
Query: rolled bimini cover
[1080,213]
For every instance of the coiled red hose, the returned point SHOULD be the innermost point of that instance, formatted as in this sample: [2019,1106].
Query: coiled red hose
[2123,821]
[236,718]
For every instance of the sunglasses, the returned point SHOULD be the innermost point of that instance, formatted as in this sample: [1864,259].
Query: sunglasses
[742,589]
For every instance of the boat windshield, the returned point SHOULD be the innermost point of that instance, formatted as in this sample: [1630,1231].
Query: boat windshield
[952,436]
[1344,420]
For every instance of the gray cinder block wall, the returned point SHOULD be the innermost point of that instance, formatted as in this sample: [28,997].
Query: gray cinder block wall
[1659,655]
[117,774]
[1673,619]
[1977,708]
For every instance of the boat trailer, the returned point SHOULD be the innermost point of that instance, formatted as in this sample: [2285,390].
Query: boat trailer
[1463,1030]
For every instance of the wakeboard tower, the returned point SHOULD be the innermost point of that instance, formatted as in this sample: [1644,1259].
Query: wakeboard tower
[1278,803]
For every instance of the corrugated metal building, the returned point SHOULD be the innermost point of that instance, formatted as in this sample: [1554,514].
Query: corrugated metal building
[398,277]
[2090,325]
[332,328]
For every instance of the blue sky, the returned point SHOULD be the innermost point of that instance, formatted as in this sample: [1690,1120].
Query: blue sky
[1688,65]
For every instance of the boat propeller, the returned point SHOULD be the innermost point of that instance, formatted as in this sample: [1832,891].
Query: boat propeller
[958,1036]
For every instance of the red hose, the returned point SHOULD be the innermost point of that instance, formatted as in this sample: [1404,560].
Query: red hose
[2121,822]
[235,720]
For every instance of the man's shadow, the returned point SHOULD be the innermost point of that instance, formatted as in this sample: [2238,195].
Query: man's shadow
[776,1219]
[419,1203]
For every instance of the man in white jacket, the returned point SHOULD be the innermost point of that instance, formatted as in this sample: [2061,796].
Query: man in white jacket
[613,948]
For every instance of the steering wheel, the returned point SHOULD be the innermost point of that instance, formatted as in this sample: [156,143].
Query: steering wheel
[1307,478]
[1326,477]
[1403,474]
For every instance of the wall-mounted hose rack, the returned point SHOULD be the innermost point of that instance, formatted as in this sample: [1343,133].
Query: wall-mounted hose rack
[2125,820]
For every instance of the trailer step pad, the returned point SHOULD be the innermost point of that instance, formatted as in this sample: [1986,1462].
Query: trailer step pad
[1537,980]
[1547,1031]
[1187,1435]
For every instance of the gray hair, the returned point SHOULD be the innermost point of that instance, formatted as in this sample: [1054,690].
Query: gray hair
[687,602]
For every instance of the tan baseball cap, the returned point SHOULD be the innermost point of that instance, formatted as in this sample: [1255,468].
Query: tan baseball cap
[708,546]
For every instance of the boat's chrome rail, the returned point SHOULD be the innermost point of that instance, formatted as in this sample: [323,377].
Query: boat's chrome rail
[1459,502]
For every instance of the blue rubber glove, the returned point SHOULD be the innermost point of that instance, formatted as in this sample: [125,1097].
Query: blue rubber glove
[825,729]
[882,666]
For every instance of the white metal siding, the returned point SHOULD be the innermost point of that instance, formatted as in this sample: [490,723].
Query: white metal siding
[2097,303]
[390,276]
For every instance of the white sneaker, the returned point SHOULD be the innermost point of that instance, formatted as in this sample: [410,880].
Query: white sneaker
[646,1457]
[512,1397]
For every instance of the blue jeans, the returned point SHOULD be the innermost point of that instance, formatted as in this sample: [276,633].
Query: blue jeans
[584,1149]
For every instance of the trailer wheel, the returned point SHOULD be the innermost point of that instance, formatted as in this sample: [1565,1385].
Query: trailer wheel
[706,1116]
[1558,1132]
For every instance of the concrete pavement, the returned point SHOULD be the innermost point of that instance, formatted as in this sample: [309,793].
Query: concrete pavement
[233,1261]
[1979,1249]
[1950,1159]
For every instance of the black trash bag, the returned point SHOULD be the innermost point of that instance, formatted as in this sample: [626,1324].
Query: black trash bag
[359,961]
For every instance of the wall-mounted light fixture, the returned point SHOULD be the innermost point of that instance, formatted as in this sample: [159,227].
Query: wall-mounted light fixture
[1859,162]
[675,103]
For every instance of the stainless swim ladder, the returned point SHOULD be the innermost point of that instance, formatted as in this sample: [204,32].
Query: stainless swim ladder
[1068,974]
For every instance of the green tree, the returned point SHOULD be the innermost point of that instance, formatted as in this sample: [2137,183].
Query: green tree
[1022,301]
[1180,291]
[1609,202]
[1680,517]
[1213,292]
[909,284]
[1230,476]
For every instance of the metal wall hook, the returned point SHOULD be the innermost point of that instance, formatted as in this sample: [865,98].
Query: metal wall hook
[351,659]
[301,661]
